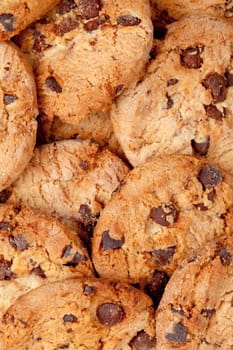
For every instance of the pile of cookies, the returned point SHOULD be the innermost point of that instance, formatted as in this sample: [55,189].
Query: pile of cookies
[116,191]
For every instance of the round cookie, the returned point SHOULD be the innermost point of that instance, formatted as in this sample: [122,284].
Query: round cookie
[196,310]
[36,249]
[18,125]
[16,15]
[84,54]
[165,209]
[73,179]
[184,103]
[80,314]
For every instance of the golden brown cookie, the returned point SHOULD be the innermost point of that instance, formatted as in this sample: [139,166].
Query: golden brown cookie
[80,314]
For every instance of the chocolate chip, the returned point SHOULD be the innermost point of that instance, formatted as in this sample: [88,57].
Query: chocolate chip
[213,112]
[5,195]
[5,226]
[7,20]
[66,6]
[178,335]
[163,256]
[65,26]
[156,286]
[190,57]
[95,23]
[8,99]
[69,318]
[52,84]
[160,23]
[201,148]
[66,251]
[108,242]
[88,290]
[172,82]
[128,20]
[39,44]
[207,313]
[224,254]
[141,341]
[229,77]
[86,215]
[84,165]
[201,206]
[19,242]
[170,101]
[77,258]
[89,8]
[209,176]
[217,85]
[165,215]
[119,89]
[110,314]
[39,272]
[5,269]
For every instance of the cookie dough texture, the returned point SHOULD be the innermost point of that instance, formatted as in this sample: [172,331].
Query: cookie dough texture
[184,103]
[84,54]
[80,314]
[166,208]
[16,15]
[18,110]
[196,309]
[73,179]
[36,249]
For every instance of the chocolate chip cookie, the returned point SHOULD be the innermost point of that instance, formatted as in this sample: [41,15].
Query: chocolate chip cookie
[36,249]
[73,179]
[184,103]
[85,53]
[16,15]
[80,314]
[17,123]
[196,311]
[164,210]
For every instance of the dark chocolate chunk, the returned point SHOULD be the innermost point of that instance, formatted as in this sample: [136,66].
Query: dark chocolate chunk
[89,8]
[225,255]
[141,341]
[209,176]
[179,333]
[108,242]
[163,256]
[201,148]
[18,242]
[191,57]
[6,226]
[5,195]
[128,20]
[77,258]
[110,314]
[8,99]
[207,313]
[88,290]
[65,26]
[172,82]
[170,101]
[39,44]
[156,286]
[39,271]
[217,85]
[165,214]
[7,20]
[5,269]
[69,318]
[213,112]
[119,90]
[229,77]
[66,251]
[84,165]
[95,23]
[66,6]
[52,84]
[160,24]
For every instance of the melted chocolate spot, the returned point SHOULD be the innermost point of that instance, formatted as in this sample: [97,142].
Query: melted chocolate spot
[128,20]
[141,341]
[163,256]
[77,258]
[109,242]
[7,20]
[5,226]
[9,99]
[201,148]
[52,84]
[4,196]
[18,242]
[89,8]
[213,112]
[178,335]
[156,286]
[170,101]
[69,318]
[190,57]
[165,215]
[110,314]
[86,215]
[209,176]
[217,85]
[39,271]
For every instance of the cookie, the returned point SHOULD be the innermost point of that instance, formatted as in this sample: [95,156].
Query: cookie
[184,103]
[16,15]
[84,54]
[73,179]
[80,314]
[36,249]
[165,209]
[196,310]
[18,125]
[97,128]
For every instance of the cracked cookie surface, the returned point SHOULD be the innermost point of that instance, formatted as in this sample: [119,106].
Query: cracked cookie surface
[184,103]
[80,314]
[90,50]
[17,113]
[196,310]
[164,210]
